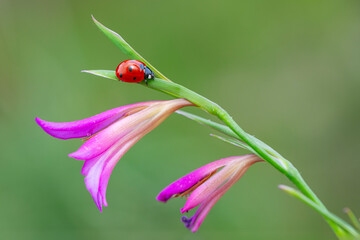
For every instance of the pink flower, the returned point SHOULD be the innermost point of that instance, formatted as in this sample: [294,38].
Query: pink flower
[109,135]
[206,186]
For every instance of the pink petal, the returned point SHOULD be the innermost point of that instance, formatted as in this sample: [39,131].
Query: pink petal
[103,140]
[115,141]
[189,180]
[89,126]
[241,167]
[151,117]
[98,174]
[239,163]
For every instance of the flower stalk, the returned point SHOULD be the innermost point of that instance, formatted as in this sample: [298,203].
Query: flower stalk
[262,150]
[342,229]
[259,148]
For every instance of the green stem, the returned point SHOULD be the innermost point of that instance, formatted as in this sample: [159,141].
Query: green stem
[126,48]
[235,141]
[353,218]
[335,219]
[262,150]
[341,229]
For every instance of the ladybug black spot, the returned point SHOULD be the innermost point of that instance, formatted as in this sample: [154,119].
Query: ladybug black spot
[130,68]
[120,74]
[134,78]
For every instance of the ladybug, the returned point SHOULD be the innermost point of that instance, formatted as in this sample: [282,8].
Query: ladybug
[133,71]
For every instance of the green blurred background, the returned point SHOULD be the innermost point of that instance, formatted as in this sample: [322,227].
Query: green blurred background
[288,71]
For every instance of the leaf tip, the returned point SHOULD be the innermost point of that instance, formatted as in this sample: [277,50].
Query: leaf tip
[284,188]
[88,71]
[102,73]
[94,19]
[99,24]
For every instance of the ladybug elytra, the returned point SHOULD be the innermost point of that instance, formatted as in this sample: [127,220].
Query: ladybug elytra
[133,71]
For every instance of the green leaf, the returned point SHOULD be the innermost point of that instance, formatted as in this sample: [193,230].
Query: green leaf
[352,217]
[217,126]
[126,48]
[111,75]
[234,142]
[323,211]
[103,73]
[226,130]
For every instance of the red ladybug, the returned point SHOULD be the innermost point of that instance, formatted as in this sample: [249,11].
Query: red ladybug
[133,71]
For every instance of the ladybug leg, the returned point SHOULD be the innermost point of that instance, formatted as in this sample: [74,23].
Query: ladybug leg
[146,82]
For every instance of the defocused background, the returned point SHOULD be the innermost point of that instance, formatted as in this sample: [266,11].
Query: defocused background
[288,71]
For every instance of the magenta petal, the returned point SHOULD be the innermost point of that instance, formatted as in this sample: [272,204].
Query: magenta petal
[200,194]
[193,223]
[203,211]
[112,134]
[106,138]
[145,121]
[98,170]
[88,165]
[108,168]
[205,207]
[89,126]
[221,185]
[189,180]
[92,183]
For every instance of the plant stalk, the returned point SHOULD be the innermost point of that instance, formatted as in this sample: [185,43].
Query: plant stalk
[341,228]
[262,150]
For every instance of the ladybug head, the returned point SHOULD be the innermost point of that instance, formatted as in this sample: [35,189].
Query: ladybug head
[148,73]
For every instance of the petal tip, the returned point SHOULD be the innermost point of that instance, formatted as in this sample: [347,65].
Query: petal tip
[75,155]
[46,126]
[194,230]
[37,120]
[183,210]
[83,154]
[40,122]
[161,198]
